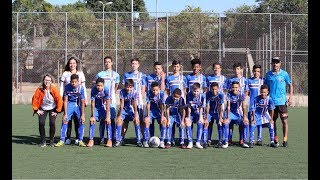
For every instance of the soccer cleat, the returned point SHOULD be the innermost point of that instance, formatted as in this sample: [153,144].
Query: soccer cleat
[272,144]
[145,144]
[173,143]
[168,145]
[102,142]
[161,145]
[43,144]
[82,144]
[76,142]
[139,144]
[90,143]
[245,145]
[190,145]
[118,143]
[230,142]
[209,142]
[122,143]
[205,145]
[251,144]
[259,143]
[68,142]
[59,144]
[51,144]
[225,145]
[183,146]
[285,143]
[198,145]
[219,145]
[109,143]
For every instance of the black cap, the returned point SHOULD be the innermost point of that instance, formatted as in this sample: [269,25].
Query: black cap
[275,60]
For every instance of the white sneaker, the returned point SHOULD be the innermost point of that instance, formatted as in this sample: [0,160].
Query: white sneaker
[68,142]
[245,145]
[162,145]
[225,145]
[190,145]
[76,142]
[145,144]
[198,145]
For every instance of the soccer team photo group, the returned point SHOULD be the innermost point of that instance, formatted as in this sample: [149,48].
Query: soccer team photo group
[214,103]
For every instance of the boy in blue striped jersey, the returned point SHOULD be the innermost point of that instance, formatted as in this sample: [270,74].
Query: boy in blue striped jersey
[100,112]
[221,80]
[177,80]
[236,112]
[139,80]
[175,112]
[128,111]
[160,77]
[195,104]
[214,111]
[244,89]
[74,104]
[155,111]
[254,84]
[262,109]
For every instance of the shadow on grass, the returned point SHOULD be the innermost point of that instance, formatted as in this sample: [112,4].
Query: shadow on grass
[30,140]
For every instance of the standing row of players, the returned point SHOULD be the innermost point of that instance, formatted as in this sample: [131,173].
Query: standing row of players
[174,100]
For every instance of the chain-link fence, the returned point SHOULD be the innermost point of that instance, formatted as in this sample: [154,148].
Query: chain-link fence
[43,42]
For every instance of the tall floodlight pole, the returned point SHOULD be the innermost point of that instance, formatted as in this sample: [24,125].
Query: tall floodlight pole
[103,5]
[131,28]
[157,40]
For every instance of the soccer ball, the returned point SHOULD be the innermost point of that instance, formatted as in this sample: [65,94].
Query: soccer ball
[154,142]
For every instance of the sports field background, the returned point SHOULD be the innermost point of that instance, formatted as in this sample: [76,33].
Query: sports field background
[98,162]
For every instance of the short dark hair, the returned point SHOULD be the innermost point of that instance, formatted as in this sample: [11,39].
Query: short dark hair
[237,64]
[196,85]
[275,60]
[264,86]
[157,63]
[107,57]
[213,84]
[235,82]
[74,76]
[100,80]
[154,84]
[256,66]
[177,91]
[216,64]
[129,82]
[135,59]
[175,62]
[195,61]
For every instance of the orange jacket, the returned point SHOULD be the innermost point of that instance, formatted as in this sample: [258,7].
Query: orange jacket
[37,98]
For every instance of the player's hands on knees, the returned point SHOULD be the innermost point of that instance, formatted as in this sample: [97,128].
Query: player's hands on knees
[40,112]
[271,121]
[245,120]
[226,121]
[201,120]
[54,114]
[205,122]
[65,118]
[83,119]
[108,121]
[163,120]
[220,121]
[92,120]
[183,124]
[253,121]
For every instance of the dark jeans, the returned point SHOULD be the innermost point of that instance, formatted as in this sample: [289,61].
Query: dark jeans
[52,124]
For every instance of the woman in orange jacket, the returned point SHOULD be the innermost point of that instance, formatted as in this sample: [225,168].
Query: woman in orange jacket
[47,100]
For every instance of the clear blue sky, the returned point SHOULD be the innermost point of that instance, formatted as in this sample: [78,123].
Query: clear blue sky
[216,6]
